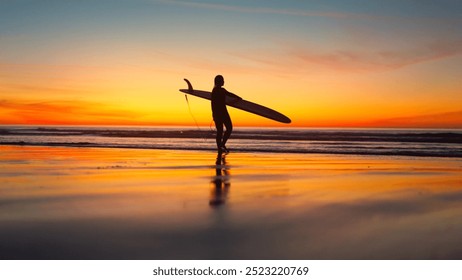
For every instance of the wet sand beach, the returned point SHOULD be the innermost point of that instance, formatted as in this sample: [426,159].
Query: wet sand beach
[109,203]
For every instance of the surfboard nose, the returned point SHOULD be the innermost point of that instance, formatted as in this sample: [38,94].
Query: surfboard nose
[287,120]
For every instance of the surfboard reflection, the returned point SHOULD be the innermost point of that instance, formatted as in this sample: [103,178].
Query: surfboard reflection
[221,182]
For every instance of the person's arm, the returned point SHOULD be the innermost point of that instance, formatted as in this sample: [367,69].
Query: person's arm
[232,95]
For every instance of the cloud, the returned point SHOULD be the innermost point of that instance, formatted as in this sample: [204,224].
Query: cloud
[261,10]
[60,112]
[305,59]
[385,60]
[440,120]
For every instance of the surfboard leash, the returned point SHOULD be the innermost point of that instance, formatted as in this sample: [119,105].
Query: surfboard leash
[192,115]
[190,112]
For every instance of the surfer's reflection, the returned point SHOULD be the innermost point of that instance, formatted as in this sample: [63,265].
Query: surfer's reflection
[221,182]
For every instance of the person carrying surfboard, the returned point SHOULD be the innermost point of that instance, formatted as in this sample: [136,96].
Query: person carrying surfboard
[220,113]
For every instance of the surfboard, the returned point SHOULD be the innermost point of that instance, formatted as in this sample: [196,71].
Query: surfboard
[241,104]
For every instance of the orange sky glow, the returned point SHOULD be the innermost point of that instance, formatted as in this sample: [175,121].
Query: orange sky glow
[327,66]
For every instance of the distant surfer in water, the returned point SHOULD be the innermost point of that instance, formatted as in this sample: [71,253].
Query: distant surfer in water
[220,113]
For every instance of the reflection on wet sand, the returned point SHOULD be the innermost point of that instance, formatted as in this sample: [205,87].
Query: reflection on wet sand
[91,203]
[221,182]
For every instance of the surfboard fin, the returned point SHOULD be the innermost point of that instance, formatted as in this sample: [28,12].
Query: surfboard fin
[190,87]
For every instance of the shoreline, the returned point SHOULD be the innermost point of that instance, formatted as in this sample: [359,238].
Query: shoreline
[419,143]
[237,150]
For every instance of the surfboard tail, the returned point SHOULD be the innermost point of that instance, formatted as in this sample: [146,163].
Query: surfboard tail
[190,87]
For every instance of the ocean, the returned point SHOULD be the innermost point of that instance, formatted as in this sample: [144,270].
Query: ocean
[386,142]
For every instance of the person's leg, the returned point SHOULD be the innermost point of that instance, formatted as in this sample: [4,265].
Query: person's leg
[229,128]
[219,137]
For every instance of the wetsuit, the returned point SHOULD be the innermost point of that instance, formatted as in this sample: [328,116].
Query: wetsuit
[220,114]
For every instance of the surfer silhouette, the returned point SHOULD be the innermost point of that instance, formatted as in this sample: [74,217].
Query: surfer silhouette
[220,113]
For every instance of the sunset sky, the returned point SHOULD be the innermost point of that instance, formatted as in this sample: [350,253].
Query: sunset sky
[352,63]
